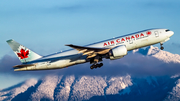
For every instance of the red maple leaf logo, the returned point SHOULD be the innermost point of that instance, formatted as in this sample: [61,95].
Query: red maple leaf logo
[148,33]
[23,54]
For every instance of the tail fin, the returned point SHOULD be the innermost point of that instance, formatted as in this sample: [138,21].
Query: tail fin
[24,54]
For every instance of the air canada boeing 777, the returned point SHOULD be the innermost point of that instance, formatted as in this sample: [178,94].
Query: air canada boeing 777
[112,49]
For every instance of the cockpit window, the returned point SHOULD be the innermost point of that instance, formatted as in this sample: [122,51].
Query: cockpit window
[167,30]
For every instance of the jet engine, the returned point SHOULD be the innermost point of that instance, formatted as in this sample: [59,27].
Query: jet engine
[117,52]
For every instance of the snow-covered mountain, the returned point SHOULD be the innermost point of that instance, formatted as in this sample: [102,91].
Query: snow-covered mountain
[105,87]
[95,88]
[159,54]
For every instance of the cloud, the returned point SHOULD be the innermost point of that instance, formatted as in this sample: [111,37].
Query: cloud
[6,67]
[135,64]
[6,64]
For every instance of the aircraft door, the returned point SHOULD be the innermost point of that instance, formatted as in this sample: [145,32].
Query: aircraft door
[156,33]
[132,43]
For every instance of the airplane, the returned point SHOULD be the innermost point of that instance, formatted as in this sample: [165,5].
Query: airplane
[114,48]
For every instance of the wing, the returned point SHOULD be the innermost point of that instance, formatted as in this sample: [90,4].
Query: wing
[90,51]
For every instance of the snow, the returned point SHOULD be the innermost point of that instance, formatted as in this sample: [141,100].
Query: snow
[159,54]
[174,95]
[118,83]
[163,55]
[68,88]
[8,95]
[45,89]
[87,87]
[64,87]
[175,76]
[79,88]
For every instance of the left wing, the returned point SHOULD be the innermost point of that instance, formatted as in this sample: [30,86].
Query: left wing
[90,51]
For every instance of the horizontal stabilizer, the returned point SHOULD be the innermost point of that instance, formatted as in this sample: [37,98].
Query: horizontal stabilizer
[23,65]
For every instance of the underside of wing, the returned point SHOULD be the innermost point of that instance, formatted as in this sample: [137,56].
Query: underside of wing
[90,51]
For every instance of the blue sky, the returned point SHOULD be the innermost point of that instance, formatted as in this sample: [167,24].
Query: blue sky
[46,26]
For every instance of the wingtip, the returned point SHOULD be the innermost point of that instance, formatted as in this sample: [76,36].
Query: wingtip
[68,45]
[9,40]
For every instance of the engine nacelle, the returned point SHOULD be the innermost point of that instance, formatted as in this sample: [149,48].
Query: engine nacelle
[117,52]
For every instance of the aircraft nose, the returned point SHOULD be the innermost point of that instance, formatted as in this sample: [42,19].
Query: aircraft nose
[170,33]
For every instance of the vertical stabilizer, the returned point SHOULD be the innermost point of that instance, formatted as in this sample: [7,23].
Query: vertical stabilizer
[24,54]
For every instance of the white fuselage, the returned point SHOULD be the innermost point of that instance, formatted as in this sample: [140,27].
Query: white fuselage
[131,41]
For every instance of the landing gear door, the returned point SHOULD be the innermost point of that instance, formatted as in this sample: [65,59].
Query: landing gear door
[156,33]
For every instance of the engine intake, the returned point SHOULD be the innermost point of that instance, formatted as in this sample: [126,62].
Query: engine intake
[117,52]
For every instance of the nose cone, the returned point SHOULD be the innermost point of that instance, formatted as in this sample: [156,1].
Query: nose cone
[170,33]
